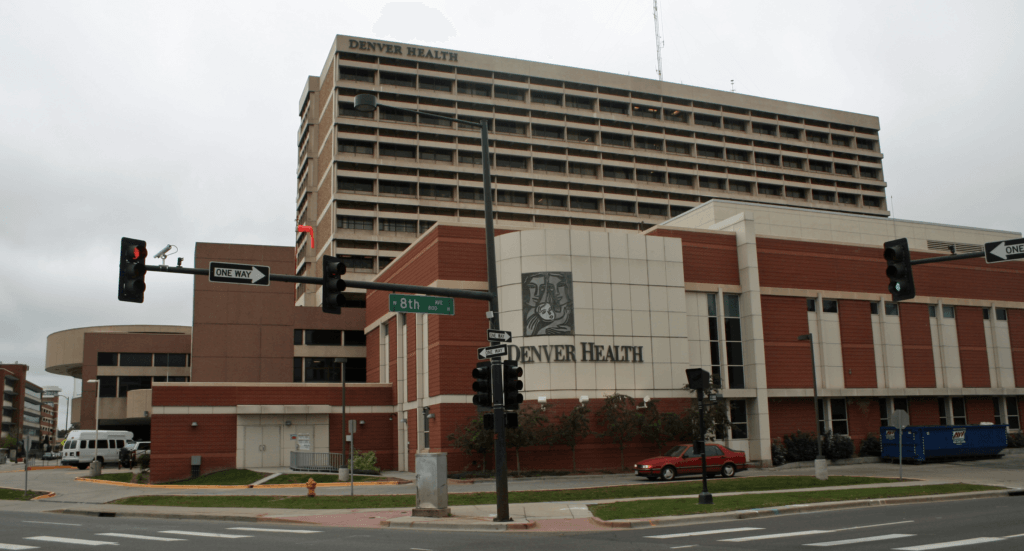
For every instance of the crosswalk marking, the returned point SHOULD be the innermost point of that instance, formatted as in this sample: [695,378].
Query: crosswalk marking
[71,540]
[204,534]
[282,530]
[783,535]
[948,544]
[859,540]
[15,547]
[703,533]
[139,537]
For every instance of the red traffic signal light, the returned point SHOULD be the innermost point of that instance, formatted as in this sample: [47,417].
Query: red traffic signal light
[482,385]
[131,284]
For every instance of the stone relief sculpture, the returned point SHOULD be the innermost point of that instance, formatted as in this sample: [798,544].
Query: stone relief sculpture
[547,304]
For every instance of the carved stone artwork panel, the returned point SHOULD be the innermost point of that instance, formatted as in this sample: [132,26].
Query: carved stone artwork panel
[547,304]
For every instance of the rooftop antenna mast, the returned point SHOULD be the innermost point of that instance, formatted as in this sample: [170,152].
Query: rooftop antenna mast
[658,42]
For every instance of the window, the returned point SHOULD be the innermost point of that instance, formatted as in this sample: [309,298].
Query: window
[577,102]
[738,418]
[790,162]
[106,358]
[764,129]
[358,185]
[901,404]
[812,305]
[584,203]
[716,359]
[830,306]
[127,384]
[577,135]
[436,190]
[821,417]
[395,150]
[840,140]
[733,124]
[108,387]
[707,120]
[931,310]
[359,148]
[817,138]
[514,94]
[389,114]
[618,172]
[426,225]
[553,132]
[653,210]
[742,187]
[791,133]
[618,206]
[440,155]
[677,147]
[614,107]
[984,314]
[582,169]
[763,159]
[349,110]
[839,421]
[646,112]
[549,165]
[355,338]
[358,75]
[473,88]
[1012,413]
[170,360]
[513,197]
[470,194]
[358,262]
[680,180]
[892,309]
[819,166]
[844,170]
[545,98]
[398,79]
[1001,314]
[431,83]
[426,118]
[355,223]
[676,115]
[388,187]
[943,413]
[826,196]
[470,158]
[650,176]
[297,334]
[741,156]
[323,337]
[874,308]
[883,411]
[509,161]
[766,189]
[136,360]
[618,140]
[796,193]
[549,201]
[395,225]
[733,341]
[959,411]
[712,183]
[510,127]
[647,143]
[710,152]
[868,173]
[948,312]
[865,144]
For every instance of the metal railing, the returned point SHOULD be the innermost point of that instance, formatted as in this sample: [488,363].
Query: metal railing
[316,461]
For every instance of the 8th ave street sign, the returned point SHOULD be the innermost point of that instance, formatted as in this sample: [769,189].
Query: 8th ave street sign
[415,304]
[1001,251]
[246,274]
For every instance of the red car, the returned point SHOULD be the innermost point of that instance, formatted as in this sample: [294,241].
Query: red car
[681,460]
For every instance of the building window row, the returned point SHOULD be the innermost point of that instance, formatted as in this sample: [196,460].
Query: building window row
[327,370]
[329,337]
[118,387]
[145,359]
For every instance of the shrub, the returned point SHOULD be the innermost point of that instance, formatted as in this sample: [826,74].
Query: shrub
[778,453]
[365,462]
[143,462]
[871,445]
[800,447]
[836,446]
[1015,440]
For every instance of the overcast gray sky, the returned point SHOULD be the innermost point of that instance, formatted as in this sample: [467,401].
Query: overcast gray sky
[175,122]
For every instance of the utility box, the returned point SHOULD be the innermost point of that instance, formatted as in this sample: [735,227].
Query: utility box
[934,442]
[431,485]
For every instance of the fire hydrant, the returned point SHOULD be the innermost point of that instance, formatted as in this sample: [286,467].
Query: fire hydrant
[311,488]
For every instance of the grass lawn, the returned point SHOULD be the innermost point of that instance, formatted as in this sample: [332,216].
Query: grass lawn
[672,507]
[758,483]
[230,477]
[18,495]
[300,478]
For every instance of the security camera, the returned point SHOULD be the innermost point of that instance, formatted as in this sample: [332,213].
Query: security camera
[647,399]
[542,399]
[584,399]
[163,252]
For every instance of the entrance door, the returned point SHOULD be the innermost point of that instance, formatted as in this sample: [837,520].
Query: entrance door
[272,445]
[253,447]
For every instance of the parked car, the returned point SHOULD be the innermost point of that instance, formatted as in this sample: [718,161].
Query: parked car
[51,455]
[682,460]
[129,455]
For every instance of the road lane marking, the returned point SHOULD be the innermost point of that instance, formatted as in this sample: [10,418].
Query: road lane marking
[682,547]
[782,535]
[71,540]
[282,530]
[860,540]
[704,533]
[948,544]
[15,547]
[41,522]
[138,537]
[204,534]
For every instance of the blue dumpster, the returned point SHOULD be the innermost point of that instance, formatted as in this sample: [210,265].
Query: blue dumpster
[933,442]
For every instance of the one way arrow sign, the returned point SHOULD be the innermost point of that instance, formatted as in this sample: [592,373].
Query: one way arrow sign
[1001,251]
[246,274]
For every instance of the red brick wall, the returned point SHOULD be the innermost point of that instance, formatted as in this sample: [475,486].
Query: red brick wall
[453,344]
[980,410]
[864,419]
[707,257]
[970,334]
[787,360]
[1015,319]
[916,333]
[858,344]
[788,415]
[214,440]
[924,411]
[377,435]
[183,394]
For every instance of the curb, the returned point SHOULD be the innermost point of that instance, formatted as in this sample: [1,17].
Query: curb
[790,509]
[488,526]
[233,487]
[44,496]
[178,516]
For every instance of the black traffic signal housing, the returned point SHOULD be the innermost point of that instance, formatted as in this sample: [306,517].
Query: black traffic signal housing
[901,279]
[132,279]
[482,385]
[333,301]
[511,385]
[511,420]
[698,379]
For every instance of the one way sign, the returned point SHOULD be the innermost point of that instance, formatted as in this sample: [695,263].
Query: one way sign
[1001,251]
[246,274]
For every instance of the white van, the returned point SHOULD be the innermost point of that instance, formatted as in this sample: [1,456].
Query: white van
[82,446]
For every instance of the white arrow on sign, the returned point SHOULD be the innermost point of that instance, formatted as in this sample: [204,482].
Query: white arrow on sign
[253,275]
[245,274]
[1000,250]
[487,352]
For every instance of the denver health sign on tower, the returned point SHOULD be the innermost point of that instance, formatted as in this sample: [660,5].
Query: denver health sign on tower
[594,311]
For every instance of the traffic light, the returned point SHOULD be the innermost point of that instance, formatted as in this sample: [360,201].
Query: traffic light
[698,379]
[488,421]
[132,279]
[333,285]
[482,385]
[511,420]
[512,385]
[901,280]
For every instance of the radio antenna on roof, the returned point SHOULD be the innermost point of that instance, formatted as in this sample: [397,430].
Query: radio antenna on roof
[658,42]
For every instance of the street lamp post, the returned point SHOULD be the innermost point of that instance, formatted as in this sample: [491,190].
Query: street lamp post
[96,442]
[367,103]
[820,467]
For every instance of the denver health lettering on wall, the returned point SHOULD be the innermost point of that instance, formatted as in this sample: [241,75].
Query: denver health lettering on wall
[396,49]
[589,352]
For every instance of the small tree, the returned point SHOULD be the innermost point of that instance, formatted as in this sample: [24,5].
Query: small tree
[531,431]
[716,416]
[474,438]
[660,428]
[571,428]
[622,422]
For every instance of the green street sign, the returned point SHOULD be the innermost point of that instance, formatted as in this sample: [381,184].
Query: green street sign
[416,304]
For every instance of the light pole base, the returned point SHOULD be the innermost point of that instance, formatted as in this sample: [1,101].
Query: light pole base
[821,469]
[95,468]
[704,498]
